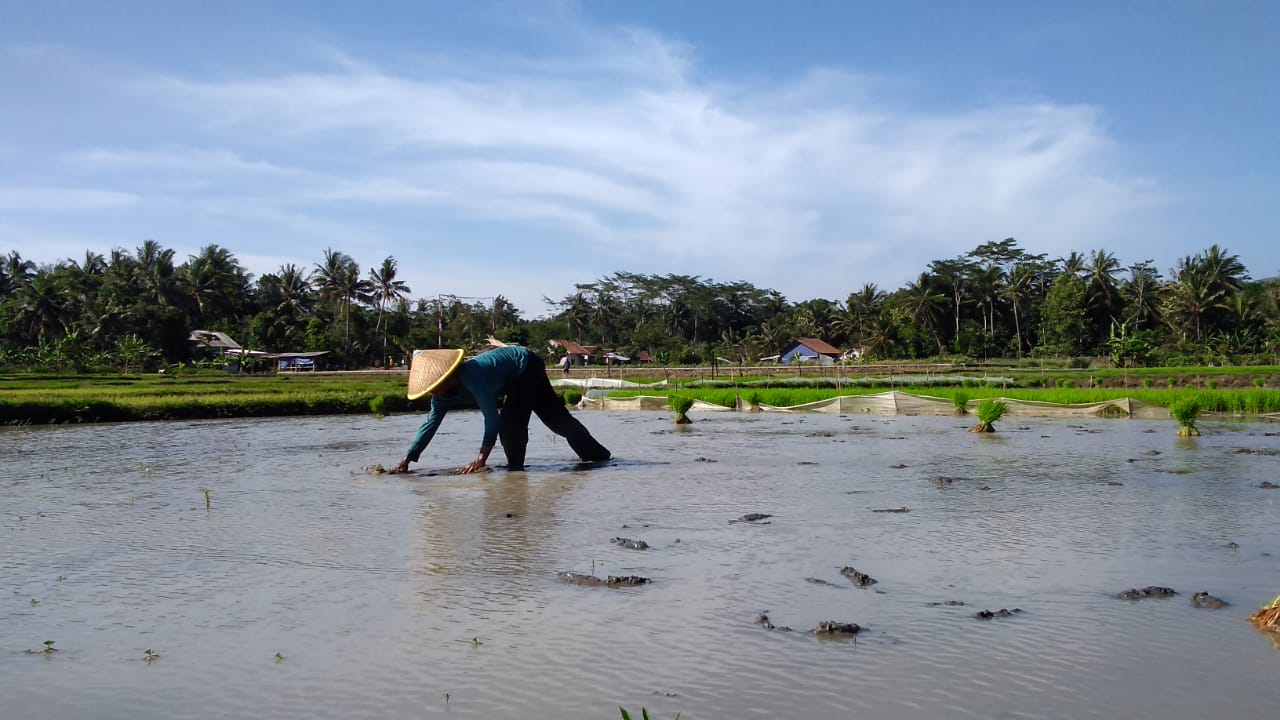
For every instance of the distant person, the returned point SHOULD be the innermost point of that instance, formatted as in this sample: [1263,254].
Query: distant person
[511,371]
[565,363]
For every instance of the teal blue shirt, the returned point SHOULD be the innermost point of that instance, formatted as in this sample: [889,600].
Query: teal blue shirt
[483,377]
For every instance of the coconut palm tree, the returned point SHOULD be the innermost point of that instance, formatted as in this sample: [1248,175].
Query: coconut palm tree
[215,283]
[338,278]
[156,275]
[922,305]
[386,289]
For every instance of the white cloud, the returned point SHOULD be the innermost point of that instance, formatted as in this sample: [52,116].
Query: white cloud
[61,199]
[620,147]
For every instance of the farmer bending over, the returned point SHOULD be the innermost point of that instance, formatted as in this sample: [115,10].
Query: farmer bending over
[512,371]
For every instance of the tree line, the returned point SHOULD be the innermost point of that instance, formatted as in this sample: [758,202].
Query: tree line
[134,310]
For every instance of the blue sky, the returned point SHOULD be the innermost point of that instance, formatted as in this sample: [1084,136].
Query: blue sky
[516,148]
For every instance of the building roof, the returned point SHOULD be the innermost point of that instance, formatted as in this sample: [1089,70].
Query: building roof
[818,346]
[213,339]
[571,347]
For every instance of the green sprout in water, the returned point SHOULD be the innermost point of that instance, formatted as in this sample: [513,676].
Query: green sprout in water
[475,642]
[681,405]
[644,714]
[446,698]
[279,658]
[148,656]
[989,411]
[207,503]
[1185,410]
[961,400]
[49,649]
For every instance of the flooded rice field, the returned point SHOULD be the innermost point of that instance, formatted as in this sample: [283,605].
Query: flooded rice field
[304,586]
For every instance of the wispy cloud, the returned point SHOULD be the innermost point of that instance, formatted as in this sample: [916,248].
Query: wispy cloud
[61,199]
[809,186]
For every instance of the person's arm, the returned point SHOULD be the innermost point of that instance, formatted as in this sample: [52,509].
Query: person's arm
[487,402]
[426,431]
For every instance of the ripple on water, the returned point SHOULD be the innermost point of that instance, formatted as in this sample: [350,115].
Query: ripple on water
[384,593]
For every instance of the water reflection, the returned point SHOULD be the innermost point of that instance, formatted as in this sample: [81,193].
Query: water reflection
[385,592]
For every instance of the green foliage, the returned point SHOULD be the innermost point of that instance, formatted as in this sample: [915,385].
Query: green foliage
[1186,410]
[680,404]
[961,401]
[990,411]
[378,405]
[1259,382]
[1211,384]
[572,397]
[1146,382]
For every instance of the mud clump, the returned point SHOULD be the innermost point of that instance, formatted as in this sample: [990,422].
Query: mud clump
[859,579]
[763,621]
[751,517]
[948,603]
[903,509]
[629,543]
[832,629]
[612,581]
[1150,591]
[1208,602]
[991,614]
[1268,485]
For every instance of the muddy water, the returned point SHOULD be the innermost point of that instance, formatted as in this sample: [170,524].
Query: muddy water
[437,596]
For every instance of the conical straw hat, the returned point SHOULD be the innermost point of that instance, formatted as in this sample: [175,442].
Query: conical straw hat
[429,369]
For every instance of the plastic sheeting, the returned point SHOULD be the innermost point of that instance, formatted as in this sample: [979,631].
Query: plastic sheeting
[900,403]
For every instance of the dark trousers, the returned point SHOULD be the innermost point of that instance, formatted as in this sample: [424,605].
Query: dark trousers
[531,392]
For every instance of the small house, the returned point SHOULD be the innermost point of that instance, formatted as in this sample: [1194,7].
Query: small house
[809,350]
[208,344]
[300,361]
[578,354]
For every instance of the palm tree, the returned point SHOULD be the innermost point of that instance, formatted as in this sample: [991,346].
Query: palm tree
[339,280]
[15,273]
[922,304]
[386,288]
[1141,296]
[42,308]
[1073,264]
[215,283]
[1016,290]
[1189,298]
[156,275]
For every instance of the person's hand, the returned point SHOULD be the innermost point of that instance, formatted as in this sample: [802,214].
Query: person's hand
[403,467]
[478,463]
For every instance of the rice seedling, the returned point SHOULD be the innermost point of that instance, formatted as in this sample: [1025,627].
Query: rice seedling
[1186,410]
[572,397]
[961,401]
[644,714]
[208,502]
[989,411]
[1211,384]
[378,405]
[49,649]
[1259,382]
[681,404]
[279,658]
[149,656]
[1268,616]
